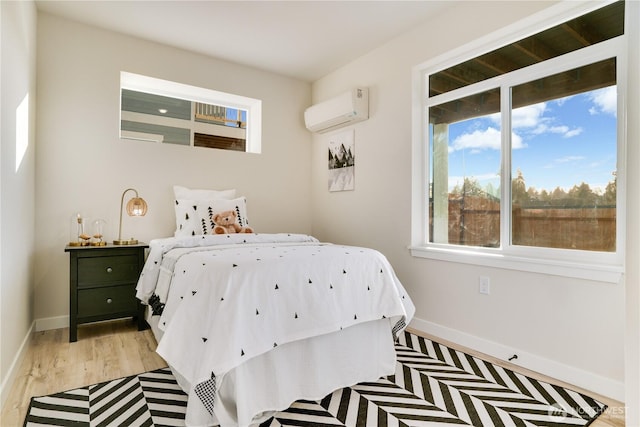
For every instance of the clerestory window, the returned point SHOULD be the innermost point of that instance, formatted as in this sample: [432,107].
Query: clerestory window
[173,113]
[518,152]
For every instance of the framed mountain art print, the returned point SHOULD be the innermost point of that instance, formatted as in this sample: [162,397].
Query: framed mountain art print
[342,161]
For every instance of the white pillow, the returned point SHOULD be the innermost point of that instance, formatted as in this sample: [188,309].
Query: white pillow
[184,193]
[193,217]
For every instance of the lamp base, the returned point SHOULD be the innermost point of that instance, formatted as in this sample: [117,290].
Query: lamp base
[131,241]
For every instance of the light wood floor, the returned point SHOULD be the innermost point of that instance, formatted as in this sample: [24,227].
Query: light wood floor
[110,350]
[104,351]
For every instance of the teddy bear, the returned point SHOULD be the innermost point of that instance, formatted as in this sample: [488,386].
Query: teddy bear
[226,222]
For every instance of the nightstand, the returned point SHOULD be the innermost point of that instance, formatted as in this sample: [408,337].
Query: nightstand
[102,284]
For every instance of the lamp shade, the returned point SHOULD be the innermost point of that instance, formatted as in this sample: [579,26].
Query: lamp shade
[136,207]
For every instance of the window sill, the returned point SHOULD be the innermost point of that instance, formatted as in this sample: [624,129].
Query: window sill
[595,272]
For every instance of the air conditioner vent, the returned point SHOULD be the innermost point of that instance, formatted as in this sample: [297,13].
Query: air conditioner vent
[343,110]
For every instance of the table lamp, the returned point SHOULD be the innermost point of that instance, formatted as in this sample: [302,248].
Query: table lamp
[136,206]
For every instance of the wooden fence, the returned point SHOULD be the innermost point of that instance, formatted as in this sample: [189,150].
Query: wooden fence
[475,221]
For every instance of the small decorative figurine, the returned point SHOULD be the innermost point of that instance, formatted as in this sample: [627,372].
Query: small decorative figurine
[98,232]
[85,238]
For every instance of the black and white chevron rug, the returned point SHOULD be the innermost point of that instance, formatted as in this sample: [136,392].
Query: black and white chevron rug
[433,386]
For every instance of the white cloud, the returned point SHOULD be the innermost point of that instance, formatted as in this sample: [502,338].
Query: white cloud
[543,128]
[478,139]
[526,122]
[573,132]
[524,117]
[531,119]
[605,101]
[487,139]
[529,116]
[562,130]
[516,141]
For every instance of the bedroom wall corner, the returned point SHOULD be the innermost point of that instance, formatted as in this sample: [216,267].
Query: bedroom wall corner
[84,166]
[17,180]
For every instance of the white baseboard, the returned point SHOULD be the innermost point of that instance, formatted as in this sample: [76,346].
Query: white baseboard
[569,374]
[8,380]
[48,323]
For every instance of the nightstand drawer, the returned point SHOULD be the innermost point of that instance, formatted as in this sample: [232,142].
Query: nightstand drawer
[107,269]
[106,300]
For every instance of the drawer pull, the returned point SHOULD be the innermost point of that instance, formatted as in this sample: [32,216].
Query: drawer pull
[109,269]
[109,300]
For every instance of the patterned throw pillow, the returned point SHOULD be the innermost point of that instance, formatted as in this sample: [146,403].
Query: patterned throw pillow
[193,217]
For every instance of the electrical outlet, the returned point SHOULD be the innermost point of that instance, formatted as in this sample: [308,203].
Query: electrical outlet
[484,287]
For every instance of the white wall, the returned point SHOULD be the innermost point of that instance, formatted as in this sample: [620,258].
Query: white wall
[17,180]
[632,326]
[573,329]
[83,165]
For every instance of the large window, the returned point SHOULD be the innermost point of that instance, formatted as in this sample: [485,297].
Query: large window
[173,113]
[520,151]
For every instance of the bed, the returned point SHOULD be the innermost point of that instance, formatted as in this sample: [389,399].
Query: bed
[250,323]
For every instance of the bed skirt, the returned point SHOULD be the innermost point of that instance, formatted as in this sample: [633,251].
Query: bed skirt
[306,369]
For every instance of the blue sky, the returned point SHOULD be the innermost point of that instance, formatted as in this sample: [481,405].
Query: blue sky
[562,143]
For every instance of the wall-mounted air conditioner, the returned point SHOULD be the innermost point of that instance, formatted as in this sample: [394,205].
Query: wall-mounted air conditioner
[343,110]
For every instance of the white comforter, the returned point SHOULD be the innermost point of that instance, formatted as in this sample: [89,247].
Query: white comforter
[230,298]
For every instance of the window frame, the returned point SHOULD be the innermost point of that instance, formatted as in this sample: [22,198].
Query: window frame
[592,265]
[152,85]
